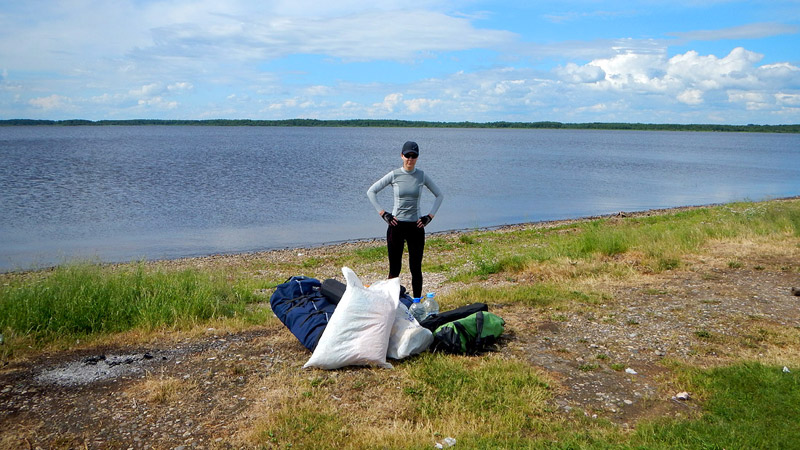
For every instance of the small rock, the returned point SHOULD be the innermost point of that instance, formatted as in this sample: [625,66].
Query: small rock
[93,360]
[627,402]
[683,396]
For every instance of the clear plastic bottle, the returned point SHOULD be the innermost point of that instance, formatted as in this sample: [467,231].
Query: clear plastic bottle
[431,305]
[446,443]
[417,310]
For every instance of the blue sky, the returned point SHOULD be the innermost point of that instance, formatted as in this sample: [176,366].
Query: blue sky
[676,61]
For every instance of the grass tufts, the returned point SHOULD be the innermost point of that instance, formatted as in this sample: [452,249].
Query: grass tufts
[749,406]
[536,295]
[477,398]
[85,299]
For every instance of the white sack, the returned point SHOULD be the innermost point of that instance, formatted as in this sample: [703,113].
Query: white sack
[408,336]
[358,332]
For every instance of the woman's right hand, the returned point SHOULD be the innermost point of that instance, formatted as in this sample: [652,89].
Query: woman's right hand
[388,218]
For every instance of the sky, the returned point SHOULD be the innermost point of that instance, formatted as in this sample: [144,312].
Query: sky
[575,61]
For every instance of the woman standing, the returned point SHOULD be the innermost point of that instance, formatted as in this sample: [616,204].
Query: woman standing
[406,224]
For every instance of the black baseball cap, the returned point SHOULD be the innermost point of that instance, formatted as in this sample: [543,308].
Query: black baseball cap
[410,147]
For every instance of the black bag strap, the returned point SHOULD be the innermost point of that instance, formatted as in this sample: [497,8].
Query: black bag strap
[462,330]
[434,322]
[302,300]
[474,344]
[479,328]
[312,314]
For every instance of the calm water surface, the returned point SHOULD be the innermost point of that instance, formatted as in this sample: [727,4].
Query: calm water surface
[125,193]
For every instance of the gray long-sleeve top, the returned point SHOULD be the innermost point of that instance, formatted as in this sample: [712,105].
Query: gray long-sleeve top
[407,187]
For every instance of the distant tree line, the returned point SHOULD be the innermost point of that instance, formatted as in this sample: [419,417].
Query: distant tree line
[412,124]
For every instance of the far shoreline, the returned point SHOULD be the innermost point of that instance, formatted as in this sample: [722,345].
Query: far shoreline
[395,123]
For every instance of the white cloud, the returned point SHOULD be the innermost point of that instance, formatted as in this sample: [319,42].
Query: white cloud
[753,101]
[319,90]
[293,103]
[418,105]
[788,99]
[107,99]
[50,102]
[687,77]
[574,73]
[288,103]
[180,86]
[372,35]
[388,104]
[709,72]
[159,103]
[691,97]
[630,71]
[147,90]
[780,73]
[598,108]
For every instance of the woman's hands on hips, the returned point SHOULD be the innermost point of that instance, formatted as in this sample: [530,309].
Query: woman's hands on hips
[424,220]
[388,218]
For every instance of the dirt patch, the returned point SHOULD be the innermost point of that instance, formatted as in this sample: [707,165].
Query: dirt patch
[608,360]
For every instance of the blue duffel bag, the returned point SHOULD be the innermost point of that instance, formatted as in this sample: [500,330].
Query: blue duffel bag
[299,304]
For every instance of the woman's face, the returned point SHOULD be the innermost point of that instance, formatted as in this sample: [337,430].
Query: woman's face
[408,162]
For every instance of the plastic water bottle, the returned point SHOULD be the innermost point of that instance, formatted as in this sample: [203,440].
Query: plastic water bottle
[431,305]
[446,443]
[417,310]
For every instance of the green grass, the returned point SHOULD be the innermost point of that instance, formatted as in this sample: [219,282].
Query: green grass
[370,254]
[87,299]
[492,402]
[662,239]
[493,399]
[748,405]
[536,295]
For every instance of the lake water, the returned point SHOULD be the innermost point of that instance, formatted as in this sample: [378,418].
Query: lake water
[127,193]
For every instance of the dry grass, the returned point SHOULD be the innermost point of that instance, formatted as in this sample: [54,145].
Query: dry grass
[163,389]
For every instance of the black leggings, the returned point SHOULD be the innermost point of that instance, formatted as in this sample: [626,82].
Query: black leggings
[396,237]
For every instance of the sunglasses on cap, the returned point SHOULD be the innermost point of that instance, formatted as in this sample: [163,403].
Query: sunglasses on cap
[411,155]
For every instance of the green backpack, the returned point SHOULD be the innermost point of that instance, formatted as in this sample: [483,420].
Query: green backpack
[473,334]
